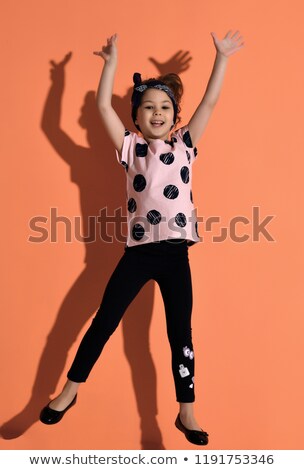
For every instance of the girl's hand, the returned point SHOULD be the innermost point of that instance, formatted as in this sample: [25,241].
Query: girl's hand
[228,45]
[109,52]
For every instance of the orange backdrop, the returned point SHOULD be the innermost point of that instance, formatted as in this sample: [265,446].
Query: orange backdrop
[248,312]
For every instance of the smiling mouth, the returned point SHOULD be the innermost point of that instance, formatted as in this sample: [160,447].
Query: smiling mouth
[157,123]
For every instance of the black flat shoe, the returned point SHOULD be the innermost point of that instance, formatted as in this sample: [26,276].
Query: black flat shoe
[49,416]
[200,438]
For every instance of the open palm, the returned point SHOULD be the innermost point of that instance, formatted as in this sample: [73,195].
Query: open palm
[230,44]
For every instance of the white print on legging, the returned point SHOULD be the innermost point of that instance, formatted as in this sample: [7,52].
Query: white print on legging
[192,385]
[188,353]
[184,372]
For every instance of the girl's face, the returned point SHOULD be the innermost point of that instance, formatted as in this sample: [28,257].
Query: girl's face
[155,115]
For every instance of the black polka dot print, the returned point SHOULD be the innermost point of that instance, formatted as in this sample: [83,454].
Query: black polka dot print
[187,139]
[138,232]
[125,165]
[139,183]
[180,219]
[154,217]
[167,158]
[141,150]
[132,206]
[185,174]
[171,142]
[171,191]
[173,183]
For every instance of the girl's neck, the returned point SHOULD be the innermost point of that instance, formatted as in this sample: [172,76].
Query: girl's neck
[151,139]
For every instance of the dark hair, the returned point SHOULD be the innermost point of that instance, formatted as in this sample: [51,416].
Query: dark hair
[172,81]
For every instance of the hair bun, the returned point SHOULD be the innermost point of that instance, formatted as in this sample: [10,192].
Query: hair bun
[136,79]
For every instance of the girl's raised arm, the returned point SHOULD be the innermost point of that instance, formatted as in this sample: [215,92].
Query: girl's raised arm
[112,122]
[225,48]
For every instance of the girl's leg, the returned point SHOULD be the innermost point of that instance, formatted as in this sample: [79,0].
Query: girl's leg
[126,281]
[69,391]
[176,288]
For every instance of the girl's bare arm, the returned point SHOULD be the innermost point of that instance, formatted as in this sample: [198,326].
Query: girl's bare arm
[111,120]
[225,48]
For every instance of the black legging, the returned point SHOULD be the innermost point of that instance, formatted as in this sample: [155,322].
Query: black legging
[167,263]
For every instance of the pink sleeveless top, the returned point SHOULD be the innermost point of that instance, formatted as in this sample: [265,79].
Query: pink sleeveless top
[159,194]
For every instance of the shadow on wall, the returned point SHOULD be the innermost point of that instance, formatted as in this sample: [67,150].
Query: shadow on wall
[101,185]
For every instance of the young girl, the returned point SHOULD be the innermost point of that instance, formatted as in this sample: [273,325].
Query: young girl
[161,222]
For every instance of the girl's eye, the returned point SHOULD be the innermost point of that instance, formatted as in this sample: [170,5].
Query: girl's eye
[151,107]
